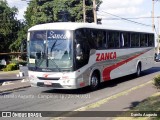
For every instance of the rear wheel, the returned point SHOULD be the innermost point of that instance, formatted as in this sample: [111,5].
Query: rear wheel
[138,72]
[95,81]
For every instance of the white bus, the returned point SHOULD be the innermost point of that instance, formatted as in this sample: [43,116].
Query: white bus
[75,55]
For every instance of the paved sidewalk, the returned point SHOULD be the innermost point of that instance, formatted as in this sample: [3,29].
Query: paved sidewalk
[9,72]
[14,85]
[9,81]
[120,102]
[14,74]
[9,76]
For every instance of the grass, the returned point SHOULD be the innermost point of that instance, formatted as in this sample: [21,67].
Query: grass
[150,104]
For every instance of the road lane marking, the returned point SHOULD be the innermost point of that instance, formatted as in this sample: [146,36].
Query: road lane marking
[103,101]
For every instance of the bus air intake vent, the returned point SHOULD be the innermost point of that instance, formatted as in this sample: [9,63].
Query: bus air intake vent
[55,85]
[50,78]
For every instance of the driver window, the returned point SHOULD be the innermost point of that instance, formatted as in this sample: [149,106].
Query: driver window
[82,48]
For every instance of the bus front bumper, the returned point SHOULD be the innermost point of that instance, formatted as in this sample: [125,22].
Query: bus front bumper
[55,85]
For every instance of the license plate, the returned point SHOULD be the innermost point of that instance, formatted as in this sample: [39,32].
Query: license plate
[48,83]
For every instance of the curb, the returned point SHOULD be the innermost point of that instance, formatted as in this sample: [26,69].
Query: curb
[9,86]
[1,91]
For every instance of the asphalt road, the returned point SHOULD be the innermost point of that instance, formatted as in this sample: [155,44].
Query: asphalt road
[46,99]
[9,77]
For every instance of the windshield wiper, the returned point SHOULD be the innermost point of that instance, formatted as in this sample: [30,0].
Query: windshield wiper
[54,64]
[39,62]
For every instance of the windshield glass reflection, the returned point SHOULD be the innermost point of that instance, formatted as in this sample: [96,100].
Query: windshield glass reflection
[51,49]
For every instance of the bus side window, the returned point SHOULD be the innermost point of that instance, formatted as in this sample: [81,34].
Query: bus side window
[117,40]
[106,39]
[135,42]
[122,40]
[101,41]
[110,40]
[125,40]
[150,40]
[104,43]
[143,40]
[93,39]
[113,39]
[82,47]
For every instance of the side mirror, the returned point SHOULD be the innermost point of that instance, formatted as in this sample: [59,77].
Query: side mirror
[78,52]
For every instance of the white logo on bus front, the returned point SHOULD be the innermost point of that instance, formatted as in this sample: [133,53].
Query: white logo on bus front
[53,35]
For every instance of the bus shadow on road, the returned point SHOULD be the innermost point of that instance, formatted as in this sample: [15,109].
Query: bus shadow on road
[107,84]
[150,71]
[115,82]
[86,90]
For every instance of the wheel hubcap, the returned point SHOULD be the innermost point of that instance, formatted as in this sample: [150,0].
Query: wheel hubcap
[138,71]
[94,81]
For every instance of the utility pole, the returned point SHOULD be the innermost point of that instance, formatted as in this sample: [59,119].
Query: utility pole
[84,11]
[153,15]
[153,25]
[94,11]
[158,39]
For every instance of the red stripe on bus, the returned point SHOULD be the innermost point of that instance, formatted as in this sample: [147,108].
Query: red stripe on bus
[107,71]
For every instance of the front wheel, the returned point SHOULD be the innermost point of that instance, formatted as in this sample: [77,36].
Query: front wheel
[94,82]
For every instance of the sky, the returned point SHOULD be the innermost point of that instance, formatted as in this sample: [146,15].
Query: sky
[122,8]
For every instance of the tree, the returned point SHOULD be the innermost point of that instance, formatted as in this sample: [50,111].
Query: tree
[45,11]
[21,35]
[39,11]
[9,26]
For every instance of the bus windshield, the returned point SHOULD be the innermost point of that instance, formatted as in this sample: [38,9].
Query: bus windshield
[50,49]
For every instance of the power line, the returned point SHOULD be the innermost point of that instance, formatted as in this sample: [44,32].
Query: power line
[127,19]
[107,18]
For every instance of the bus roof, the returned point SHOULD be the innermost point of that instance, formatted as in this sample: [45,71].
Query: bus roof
[75,25]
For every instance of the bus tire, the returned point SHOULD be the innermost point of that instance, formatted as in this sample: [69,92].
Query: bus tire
[138,71]
[95,81]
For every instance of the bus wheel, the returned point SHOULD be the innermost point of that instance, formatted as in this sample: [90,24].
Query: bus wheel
[138,72]
[95,81]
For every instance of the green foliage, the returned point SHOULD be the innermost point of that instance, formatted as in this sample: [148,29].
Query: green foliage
[9,26]
[45,11]
[39,12]
[14,65]
[157,82]
[21,35]
[10,67]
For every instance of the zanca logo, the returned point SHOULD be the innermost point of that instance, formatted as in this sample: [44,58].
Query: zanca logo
[57,35]
[106,56]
